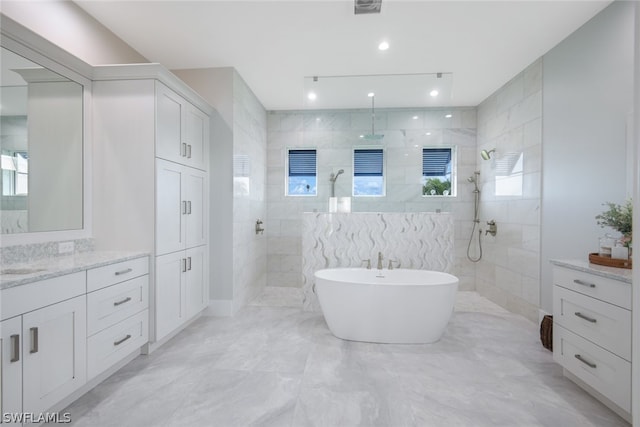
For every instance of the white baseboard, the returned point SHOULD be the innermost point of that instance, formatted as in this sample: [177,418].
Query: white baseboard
[219,308]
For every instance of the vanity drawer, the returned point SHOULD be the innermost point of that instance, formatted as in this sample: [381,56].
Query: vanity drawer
[22,299]
[109,306]
[115,273]
[108,347]
[602,370]
[602,288]
[606,325]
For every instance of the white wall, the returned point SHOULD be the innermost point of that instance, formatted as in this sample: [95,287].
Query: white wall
[249,194]
[509,121]
[65,24]
[335,134]
[587,97]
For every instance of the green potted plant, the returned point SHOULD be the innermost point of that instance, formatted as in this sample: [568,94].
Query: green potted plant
[620,218]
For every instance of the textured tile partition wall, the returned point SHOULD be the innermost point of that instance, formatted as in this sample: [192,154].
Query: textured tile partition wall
[415,240]
[335,133]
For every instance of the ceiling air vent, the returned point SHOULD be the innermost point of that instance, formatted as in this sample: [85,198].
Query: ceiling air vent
[367,6]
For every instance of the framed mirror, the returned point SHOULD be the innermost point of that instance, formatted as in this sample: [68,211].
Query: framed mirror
[43,141]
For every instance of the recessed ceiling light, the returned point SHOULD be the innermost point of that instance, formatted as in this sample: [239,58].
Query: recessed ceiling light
[317,119]
[416,146]
[312,96]
[361,136]
[428,133]
[448,116]
[371,94]
[383,46]
[434,93]
[415,117]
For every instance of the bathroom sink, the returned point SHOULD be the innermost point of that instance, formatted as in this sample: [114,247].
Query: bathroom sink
[21,270]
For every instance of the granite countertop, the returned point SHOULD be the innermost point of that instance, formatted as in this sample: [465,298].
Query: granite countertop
[48,268]
[622,274]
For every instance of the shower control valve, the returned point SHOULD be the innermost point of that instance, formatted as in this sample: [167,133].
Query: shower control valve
[259,228]
[493,228]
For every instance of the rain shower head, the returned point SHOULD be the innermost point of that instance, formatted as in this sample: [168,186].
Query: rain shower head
[486,155]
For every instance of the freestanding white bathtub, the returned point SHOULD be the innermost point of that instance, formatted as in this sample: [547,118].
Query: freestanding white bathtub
[386,306]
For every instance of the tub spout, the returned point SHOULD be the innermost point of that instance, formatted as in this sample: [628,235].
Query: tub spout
[380,258]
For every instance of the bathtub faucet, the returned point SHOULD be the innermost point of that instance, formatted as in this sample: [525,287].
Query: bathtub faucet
[380,258]
[368,261]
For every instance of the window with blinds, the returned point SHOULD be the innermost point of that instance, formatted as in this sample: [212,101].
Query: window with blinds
[301,172]
[438,165]
[368,172]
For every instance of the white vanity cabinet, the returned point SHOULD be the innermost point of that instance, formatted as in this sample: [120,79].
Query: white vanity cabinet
[181,209]
[183,130]
[151,135]
[118,315]
[43,343]
[180,290]
[592,331]
[11,370]
[54,349]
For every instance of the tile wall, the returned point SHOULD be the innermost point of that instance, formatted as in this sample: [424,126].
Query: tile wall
[335,134]
[510,121]
[249,204]
[411,240]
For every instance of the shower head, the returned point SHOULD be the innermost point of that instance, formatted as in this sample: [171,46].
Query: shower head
[334,176]
[486,155]
[471,179]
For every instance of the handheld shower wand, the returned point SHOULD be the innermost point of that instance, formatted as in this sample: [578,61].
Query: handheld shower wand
[333,179]
[476,219]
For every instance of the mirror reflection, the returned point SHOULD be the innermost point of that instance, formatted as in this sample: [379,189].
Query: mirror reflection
[41,148]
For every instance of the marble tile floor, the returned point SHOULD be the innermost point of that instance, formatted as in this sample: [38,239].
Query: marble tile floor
[280,366]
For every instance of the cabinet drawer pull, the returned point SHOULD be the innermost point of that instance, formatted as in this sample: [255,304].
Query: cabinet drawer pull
[183,151]
[122,340]
[184,207]
[587,318]
[189,207]
[121,272]
[189,151]
[586,362]
[188,263]
[584,283]
[117,303]
[15,348]
[34,340]
[184,265]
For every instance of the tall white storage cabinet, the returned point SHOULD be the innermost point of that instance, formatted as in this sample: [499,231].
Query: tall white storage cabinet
[152,136]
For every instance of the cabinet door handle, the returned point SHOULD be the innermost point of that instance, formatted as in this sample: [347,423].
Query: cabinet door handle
[122,340]
[34,340]
[586,362]
[117,303]
[183,150]
[184,207]
[189,151]
[584,283]
[189,207]
[189,263]
[15,348]
[587,318]
[184,265]
[121,272]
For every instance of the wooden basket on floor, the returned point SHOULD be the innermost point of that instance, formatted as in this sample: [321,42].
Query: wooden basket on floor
[546,332]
